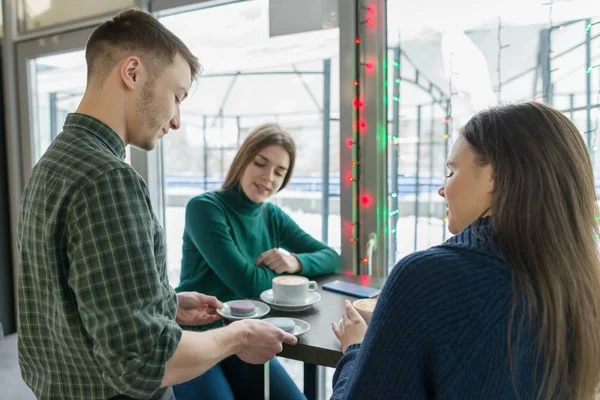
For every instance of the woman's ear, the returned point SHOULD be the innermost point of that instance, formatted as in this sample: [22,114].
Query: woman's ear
[489,174]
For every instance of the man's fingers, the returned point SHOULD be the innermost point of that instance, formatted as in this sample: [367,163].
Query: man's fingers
[211,301]
[209,319]
[214,317]
[289,338]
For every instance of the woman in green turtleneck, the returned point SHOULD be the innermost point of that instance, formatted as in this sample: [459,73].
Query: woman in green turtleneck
[230,248]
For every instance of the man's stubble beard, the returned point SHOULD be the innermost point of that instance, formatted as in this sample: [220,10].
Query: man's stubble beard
[148,117]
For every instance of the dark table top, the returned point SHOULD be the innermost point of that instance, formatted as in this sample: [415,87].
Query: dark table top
[319,345]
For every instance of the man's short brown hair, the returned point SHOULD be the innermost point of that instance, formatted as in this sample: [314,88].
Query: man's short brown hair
[136,32]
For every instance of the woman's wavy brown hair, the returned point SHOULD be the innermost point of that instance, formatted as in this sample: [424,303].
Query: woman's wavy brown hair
[544,216]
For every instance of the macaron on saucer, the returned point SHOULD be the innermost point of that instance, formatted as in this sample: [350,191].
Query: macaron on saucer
[294,326]
[243,309]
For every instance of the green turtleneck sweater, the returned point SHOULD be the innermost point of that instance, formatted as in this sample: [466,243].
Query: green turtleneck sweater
[225,233]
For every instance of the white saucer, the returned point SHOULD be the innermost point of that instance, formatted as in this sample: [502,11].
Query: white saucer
[313,298]
[301,326]
[261,310]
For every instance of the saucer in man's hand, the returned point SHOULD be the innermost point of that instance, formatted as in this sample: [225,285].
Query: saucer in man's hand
[300,326]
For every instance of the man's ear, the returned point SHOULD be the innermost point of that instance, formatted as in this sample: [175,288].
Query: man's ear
[131,72]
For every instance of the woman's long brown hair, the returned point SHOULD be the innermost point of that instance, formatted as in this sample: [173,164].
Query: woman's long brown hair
[262,136]
[544,216]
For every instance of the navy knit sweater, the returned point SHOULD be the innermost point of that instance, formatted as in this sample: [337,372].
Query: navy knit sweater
[440,330]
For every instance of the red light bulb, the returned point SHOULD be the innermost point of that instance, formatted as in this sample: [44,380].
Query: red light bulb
[350,142]
[371,10]
[369,65]
[355,83]
[357,40]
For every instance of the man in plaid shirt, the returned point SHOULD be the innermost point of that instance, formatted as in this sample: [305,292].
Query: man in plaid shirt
[97,316]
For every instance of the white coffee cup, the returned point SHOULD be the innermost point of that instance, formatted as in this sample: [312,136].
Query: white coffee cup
[365,308]
[292,289]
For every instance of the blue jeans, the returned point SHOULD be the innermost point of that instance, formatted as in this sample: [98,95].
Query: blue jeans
[228,380]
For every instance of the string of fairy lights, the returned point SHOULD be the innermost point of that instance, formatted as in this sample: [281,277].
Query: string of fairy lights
[597,112]
[589,70]
[448,122]
[597,119]
[441,100]
[588,29]
[365,19]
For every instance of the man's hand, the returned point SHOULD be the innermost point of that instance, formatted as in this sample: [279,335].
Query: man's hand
[197,309]
[259,340]
[352,327]
[279,262]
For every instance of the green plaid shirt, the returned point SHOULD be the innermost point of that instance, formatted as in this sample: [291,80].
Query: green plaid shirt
[96,311]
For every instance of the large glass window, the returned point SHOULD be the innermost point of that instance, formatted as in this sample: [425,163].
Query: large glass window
[57,84]
[458,60]
[38,14]
[250,78]
[575,66]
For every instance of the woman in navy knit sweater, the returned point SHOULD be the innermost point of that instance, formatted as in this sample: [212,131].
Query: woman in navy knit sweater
[508,308]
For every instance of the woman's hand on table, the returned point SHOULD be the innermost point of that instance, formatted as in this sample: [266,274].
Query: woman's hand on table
[279,262]
[351,329]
